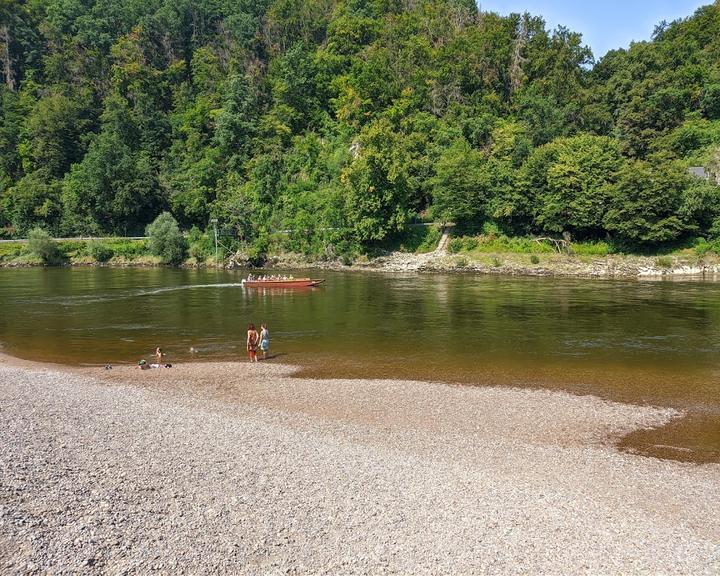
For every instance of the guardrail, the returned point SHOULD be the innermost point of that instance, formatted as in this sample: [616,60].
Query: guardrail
[82,239]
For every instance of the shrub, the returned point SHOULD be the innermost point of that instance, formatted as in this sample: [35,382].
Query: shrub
[165,239]
[534,259]
[461,262]
[664,262]
[128,248]
[42,246]
[430,241]
[258,251]
[470,243]
[455,245]
[491,229]
[201,245]
[591,249]
[99,251]
[701,247]
[420,239]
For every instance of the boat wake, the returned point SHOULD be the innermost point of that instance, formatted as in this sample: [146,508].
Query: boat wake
[124,295]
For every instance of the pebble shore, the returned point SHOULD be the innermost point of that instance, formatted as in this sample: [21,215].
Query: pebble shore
[242,469]
[509,264]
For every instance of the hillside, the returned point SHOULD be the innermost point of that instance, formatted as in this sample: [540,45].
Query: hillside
[326,126]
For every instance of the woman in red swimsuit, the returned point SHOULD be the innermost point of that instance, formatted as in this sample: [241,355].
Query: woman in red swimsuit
[252,342]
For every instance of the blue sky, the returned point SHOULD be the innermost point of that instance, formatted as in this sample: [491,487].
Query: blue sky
[605,25]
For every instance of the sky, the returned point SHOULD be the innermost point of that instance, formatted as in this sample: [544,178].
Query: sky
[605,25]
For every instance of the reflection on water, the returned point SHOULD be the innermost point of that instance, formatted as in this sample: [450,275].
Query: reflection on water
[643,342]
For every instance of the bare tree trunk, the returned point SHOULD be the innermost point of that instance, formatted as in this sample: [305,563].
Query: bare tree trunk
[521,39]
[7,58]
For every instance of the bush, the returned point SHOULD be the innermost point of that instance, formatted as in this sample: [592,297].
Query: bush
[201,245]
[42,246]
[591,249]
[165,239]
[491,229]
[128,248]
[431,240]
[455,245]
[703,247]
[470,243]
[258,251]
[99,251]
[535,259]
[664,262]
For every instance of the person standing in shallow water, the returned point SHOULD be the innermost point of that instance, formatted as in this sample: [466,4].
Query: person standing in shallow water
[264,340]
[252,342]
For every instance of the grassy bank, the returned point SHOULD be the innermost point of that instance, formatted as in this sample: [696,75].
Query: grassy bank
[537,251]
[489,252]
[112,251]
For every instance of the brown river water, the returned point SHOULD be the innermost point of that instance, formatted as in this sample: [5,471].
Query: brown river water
[642,342]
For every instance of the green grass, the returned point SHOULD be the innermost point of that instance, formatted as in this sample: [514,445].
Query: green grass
[599,248]
[11,250]
[490,244]
[127,248]
[84,251]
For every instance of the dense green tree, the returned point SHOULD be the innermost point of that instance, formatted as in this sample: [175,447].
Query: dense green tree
[462,185]
[377,185]
[568,179]
[165,239]
[647,203]
[326,126]
[34,200]
[113,190]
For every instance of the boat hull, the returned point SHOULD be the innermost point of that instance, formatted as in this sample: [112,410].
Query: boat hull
[295,283]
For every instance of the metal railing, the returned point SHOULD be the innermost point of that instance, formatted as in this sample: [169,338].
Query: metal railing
[82,239]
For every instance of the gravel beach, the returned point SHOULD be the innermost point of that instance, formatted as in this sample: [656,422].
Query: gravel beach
[243,469]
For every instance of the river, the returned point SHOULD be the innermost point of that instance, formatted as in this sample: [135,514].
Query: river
[644,342]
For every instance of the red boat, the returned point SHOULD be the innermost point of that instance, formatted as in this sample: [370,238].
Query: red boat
[280,283]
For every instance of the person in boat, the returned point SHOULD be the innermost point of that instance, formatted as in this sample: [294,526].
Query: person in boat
[264,340]
[252,342]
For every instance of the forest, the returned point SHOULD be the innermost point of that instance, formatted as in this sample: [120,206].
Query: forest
[330,126]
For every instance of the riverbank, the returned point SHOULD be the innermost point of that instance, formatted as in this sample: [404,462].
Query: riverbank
[238,468]
[500,263]
[503,263]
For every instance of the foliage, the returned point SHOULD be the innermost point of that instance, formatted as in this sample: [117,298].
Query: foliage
[664,262]
[99,251]
[489,243]
[568,179]
[647,204]
[598,248]
[165,239]
[327,127]
[42,246]
[201,245]
[420,239]
[127,248]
